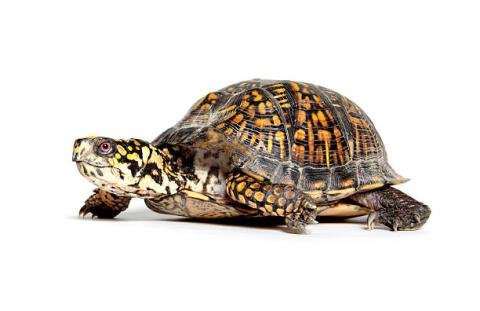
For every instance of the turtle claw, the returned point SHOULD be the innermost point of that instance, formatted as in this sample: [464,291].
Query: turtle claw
[307,215]
[417,218]
[395,225]
[309,212]
[372,217]
[310,216]
[83,211]
[97,211]
[86,210]
[296,224]
[398,221]
[297,230]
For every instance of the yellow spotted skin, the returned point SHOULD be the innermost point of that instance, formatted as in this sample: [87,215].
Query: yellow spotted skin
[291,133]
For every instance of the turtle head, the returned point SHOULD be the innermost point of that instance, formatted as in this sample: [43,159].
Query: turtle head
[129,167]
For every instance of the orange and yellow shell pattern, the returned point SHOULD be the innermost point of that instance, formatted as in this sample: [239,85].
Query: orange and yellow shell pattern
[291,133]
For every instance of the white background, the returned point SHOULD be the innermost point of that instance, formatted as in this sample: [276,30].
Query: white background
[124,69]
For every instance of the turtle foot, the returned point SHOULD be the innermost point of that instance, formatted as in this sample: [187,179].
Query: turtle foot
[99,211]
[104,205]
[305,215]
[399,213]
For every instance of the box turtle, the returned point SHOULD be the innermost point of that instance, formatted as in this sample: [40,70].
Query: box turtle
[256,148]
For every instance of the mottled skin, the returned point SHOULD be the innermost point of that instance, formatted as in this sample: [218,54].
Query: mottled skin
[256,148]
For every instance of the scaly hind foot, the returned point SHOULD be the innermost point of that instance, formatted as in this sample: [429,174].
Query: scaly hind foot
[394,209]
[399,219]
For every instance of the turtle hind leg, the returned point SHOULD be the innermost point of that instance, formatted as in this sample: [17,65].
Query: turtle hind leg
[393,208]
[103,204]
[270,199]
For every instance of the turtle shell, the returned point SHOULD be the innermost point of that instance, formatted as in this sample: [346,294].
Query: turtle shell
[290,133]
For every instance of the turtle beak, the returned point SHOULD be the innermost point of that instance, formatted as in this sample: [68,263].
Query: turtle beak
[81,149]
[76,150]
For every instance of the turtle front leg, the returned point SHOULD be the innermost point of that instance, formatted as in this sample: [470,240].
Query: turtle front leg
[285,201]
[393,208]
[103,204]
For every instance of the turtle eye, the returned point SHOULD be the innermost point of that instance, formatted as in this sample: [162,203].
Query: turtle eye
[105,147]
